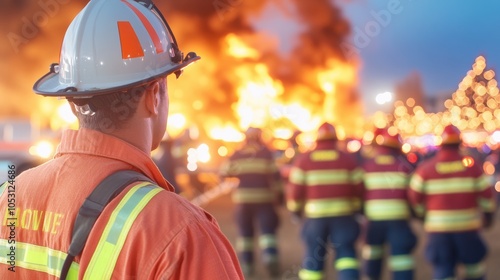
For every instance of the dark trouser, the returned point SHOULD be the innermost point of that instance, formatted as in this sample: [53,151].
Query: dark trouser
[342,232]
[401,240]
[445,250]
[267,218]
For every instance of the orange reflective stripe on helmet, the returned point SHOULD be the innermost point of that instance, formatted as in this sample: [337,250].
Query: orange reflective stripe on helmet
[131,47]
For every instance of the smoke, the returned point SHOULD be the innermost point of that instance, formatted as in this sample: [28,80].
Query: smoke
[32,33]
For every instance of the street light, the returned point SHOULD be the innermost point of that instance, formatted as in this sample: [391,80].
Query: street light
[383,98]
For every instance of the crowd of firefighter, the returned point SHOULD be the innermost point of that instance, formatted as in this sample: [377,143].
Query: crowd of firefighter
[343,198]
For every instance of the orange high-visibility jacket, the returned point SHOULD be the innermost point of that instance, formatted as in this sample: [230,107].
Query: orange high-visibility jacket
[147,232]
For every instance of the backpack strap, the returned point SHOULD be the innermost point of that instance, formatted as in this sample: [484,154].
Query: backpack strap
[93,206]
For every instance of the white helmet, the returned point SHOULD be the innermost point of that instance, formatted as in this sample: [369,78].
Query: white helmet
[113,45]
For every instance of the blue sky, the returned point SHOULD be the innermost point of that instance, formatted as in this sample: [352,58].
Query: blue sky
[440,39]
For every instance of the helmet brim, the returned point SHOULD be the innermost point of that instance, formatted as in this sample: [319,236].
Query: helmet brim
[49,85]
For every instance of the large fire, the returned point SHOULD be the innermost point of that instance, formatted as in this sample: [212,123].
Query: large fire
[242,80]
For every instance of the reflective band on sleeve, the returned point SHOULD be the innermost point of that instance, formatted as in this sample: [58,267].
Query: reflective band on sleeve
[357,176]
[385,180]
[108,249]
[483,182]
[305,274]
[244,244]
[487,205]
[38,258]
[417,183]
[297,176]
[346,263]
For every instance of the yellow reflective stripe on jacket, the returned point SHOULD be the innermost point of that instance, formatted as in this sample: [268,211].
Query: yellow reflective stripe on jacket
[252,165]
[318,208]
[253,195]
[452,220]
[327,177]
[38,258]
[324,155]
[103,261]
[386,209]
[385,180]
[451,185]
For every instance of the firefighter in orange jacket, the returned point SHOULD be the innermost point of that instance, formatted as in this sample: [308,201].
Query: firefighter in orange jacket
[114,60]
[256,198]
[454,197]
[386,179]
[325,188]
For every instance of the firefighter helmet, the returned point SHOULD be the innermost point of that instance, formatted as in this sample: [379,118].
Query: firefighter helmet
[326,131]
[389,140]
[450,135]
[112,45]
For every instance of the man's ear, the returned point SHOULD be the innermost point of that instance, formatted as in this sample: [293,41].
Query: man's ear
[152,98]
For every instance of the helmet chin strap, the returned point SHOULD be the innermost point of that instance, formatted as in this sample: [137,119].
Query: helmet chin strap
[83,106]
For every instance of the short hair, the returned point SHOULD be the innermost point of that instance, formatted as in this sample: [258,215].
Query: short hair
[111,111]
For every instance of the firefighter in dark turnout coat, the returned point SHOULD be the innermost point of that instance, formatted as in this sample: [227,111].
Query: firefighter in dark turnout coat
[325,188]
[256,199]
[454,197]
[386,179]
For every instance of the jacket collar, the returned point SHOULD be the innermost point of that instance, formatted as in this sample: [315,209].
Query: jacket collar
[91,142]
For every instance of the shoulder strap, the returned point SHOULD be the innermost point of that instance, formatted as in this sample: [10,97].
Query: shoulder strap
[93,206]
